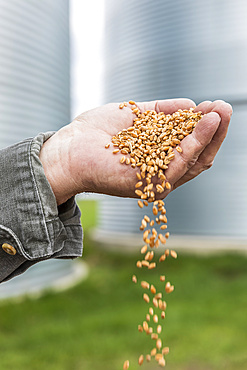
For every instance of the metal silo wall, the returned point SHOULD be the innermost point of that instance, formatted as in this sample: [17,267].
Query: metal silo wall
[34,68]
[34,94]
[196,49]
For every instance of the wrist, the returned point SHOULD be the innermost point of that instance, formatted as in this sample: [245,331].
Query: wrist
[55,157]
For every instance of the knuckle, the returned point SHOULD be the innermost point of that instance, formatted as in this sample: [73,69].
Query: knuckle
[207,166]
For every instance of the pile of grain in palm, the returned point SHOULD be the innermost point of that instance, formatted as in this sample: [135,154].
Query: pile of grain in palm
[148,146]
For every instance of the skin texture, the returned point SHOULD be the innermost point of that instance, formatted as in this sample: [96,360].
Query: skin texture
[75,159]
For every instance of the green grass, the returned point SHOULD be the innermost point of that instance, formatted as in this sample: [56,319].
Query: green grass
[93,326]
[88,213]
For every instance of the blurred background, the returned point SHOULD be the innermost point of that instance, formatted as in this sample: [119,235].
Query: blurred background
[60,58]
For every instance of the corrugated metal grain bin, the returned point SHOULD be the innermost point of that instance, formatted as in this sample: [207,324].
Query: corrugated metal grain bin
[195,49]
[34,86]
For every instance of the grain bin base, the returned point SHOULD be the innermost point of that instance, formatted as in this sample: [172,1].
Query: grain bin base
[131,242]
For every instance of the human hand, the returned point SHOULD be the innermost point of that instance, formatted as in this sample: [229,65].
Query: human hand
[75,159]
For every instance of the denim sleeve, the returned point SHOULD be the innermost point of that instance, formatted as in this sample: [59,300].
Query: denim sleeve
[30,220]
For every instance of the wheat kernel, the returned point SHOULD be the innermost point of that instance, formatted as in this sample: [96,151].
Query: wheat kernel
[173,254]
[159,343]
[138,184]
[126,365]
[165,350]
[145,326]
[140,204]
[144,249]
[146,298]
[140,360]
[152,265]
[158,356]
[145,263]
[138,175]
[145,284]
[153,289]
[140,328]
[134,279]
[162,362]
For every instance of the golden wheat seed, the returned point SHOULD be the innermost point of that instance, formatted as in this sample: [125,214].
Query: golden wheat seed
[126,365]
[155,302]
[138,184]
[155,210]
[158,296]
[140,360]
[146,298]
[155,319]
[173,254]
[168,185]
[162,258]
[159,343]
[162,362]
[138,175]
[134,279]
[162,238]
[148,358]
[138,192]
[107,145]
[145,326]
[140,328]
[158,356]
[162,277]
[153,289]
[159,329]
[145,284]
[145,263]
[163,227]
[144,249]
[153,352]
[165,351]
[152,266]
[140,204]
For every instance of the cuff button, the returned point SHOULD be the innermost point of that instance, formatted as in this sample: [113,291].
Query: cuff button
[9,249]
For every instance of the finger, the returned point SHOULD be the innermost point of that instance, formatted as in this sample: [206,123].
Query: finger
[203,106]
[167,106]
[206,158]
[224,110]
[192,146]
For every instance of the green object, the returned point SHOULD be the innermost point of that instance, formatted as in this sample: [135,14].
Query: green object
[94,325]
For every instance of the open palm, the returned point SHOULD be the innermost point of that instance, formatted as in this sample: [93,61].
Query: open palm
[75,159]
[105,174]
